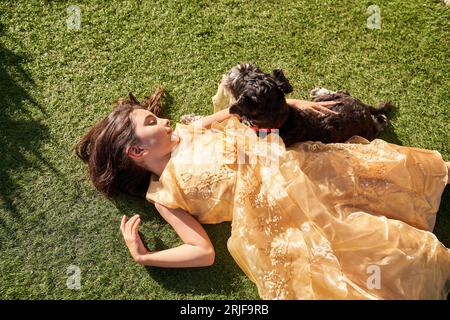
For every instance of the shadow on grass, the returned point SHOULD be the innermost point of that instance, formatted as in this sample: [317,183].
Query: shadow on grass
[442,227]
[20,140]
[217,279]
[389,134]
[167,104]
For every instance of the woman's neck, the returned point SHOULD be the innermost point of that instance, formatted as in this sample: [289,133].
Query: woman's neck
[157,166]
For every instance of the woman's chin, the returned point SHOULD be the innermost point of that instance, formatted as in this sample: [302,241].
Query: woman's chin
[174,138]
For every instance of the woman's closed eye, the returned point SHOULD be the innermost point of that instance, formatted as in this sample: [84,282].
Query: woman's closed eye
[150,120]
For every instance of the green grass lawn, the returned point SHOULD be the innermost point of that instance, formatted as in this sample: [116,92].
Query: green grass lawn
[55,83]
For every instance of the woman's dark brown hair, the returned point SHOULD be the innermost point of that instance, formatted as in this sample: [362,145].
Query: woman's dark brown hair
[104,149]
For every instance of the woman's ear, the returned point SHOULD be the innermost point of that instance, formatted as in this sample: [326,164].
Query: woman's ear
[282,81]
[136,152]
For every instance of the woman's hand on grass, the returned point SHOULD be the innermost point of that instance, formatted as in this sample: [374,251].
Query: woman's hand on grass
[131,236]
[320,108]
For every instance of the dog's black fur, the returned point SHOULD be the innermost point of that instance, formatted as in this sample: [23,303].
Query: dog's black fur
[259,98]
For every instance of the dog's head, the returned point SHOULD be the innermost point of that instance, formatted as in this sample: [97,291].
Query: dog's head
[256,96]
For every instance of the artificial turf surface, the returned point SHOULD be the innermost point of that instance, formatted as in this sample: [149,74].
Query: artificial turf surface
[56,82]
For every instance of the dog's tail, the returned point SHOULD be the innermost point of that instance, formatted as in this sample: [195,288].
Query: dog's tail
[381,120]
[383,108]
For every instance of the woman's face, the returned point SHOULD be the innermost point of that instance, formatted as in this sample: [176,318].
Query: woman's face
[155,133]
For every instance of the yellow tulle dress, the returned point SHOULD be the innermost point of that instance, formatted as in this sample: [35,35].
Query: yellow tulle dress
[315,221]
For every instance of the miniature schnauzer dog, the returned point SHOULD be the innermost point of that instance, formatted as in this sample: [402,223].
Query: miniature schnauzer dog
[259,100]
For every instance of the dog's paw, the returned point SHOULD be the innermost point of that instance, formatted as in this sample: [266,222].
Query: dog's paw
[319,91]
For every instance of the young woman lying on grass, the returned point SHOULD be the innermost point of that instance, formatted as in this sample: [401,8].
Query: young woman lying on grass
[321,224]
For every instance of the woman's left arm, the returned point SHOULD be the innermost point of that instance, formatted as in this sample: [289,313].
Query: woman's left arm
[219,116]
[319,107]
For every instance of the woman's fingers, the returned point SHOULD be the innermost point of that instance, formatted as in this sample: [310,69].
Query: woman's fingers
[327,103]
[326,110]
[122,223]
[130,228]
[130,223]
[322,107]
[135,226]
[318,110]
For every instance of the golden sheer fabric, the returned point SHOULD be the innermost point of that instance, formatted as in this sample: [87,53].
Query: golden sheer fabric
[315,221]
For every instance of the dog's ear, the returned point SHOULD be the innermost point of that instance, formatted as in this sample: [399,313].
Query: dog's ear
[133,99]
[282,81]
[235,109]
[241,104]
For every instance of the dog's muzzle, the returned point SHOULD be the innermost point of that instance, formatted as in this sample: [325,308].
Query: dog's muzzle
[269,130]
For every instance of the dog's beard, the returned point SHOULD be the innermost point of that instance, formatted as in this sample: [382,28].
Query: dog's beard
[247,121]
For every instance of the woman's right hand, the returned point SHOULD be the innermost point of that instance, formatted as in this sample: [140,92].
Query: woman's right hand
[131,236]
[320,108]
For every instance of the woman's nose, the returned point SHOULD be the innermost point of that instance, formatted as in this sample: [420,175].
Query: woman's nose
[167,123]
[164,122]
